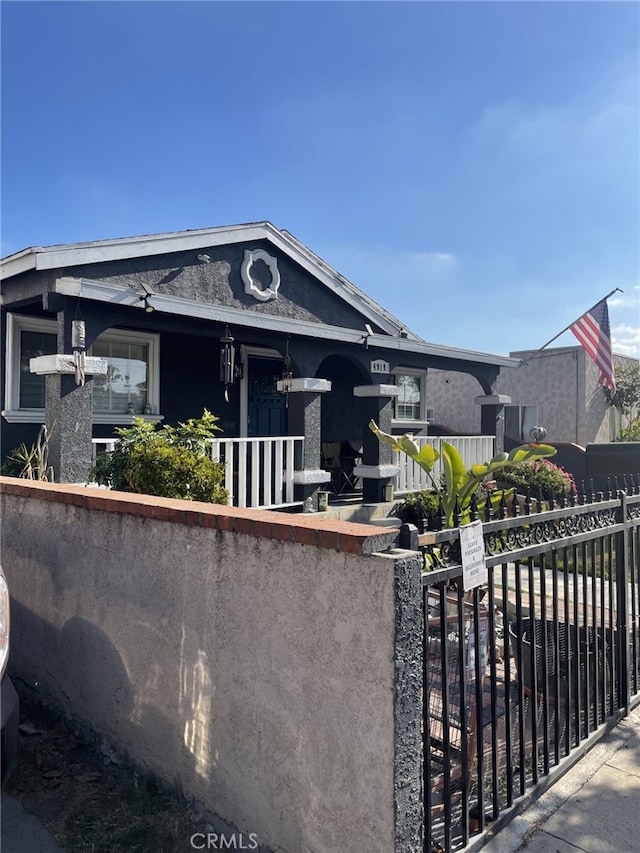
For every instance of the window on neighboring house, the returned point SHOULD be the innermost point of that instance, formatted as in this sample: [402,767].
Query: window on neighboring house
[519,420]
[131,385]
[409,404]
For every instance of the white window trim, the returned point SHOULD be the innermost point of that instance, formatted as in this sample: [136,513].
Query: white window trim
[17,323]
[420,422]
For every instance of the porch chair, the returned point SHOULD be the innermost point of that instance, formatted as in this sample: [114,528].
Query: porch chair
[333,463]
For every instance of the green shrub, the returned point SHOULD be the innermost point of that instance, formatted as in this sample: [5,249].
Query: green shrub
[632,433]
[172,462]
[30,463]
[539,475]
[13,466]
[418,505]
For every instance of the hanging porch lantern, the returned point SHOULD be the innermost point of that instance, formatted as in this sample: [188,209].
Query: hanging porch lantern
[287,373]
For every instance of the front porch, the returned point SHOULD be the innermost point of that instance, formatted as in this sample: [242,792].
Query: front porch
[261,472]
[244,321]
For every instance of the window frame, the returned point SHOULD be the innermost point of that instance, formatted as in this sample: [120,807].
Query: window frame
[522,418]
[421,421]
[18,323]
[153,379]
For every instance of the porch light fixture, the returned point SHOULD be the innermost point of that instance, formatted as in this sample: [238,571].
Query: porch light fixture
[368,333]
[227,361]
[287,373]
[144,297]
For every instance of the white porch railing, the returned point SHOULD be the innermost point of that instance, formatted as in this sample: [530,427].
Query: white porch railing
[474,449]
[259,471]
[101,445]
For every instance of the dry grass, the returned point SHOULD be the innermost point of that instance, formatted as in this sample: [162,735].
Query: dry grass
[88,803]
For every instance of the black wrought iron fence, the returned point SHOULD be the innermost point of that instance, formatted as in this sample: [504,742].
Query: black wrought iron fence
[524,672]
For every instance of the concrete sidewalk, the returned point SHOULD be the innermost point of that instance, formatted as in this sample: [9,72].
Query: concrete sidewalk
[594,808]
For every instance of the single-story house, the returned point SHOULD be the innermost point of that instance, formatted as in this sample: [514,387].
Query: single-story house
[244,320]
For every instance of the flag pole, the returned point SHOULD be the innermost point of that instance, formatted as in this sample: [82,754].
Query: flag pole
[566,329]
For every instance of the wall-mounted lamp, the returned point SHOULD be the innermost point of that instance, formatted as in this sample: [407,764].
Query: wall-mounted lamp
[227,361]
[144,297]
[204,259]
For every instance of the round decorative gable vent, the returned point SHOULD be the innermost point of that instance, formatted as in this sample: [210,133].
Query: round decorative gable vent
[254,288]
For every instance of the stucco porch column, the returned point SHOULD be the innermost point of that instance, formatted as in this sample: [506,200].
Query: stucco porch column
[304,401]
[68,407]
[68,414]
[376,470]
[68,419]
[492,416]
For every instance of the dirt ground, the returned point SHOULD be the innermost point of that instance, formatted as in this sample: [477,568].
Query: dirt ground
[91,801]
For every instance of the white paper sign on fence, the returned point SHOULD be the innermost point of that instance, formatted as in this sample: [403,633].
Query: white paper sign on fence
[474,568]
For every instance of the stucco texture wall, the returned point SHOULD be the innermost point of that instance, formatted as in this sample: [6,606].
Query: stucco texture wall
[451,395]
[562,382]
[555,382]
[256,673]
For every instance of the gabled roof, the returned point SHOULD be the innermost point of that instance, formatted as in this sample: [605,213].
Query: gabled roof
[395,335]
[122,248]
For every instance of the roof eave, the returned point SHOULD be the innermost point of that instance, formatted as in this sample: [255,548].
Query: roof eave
[122,295]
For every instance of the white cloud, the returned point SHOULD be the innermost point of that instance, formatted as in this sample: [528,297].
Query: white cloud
[628,297]
[409,284]
[373,269]
[625,340]
[624,317]
[585,122]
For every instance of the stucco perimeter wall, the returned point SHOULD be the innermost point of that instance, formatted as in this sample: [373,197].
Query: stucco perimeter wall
[248,657]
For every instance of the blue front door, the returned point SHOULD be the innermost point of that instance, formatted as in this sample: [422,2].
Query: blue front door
[267,410]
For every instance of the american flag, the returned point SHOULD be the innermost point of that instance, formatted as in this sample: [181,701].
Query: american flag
[592,330]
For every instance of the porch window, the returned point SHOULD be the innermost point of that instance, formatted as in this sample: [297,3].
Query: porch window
[33,344]
[132,385]
[409,404]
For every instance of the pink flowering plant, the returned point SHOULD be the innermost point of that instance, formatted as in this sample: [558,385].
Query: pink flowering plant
[542,474]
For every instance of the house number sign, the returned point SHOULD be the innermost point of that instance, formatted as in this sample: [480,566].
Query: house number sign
[379,366]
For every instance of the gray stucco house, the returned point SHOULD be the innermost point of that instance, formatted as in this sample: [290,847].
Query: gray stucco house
[558,389]
[243,320]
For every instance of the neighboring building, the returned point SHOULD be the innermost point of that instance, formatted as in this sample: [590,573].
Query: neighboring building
[558,389]
[313,355]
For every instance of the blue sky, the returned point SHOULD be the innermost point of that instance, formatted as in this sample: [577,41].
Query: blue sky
[472,166]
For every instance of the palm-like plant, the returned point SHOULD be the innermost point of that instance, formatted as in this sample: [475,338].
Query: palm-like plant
[460,483]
